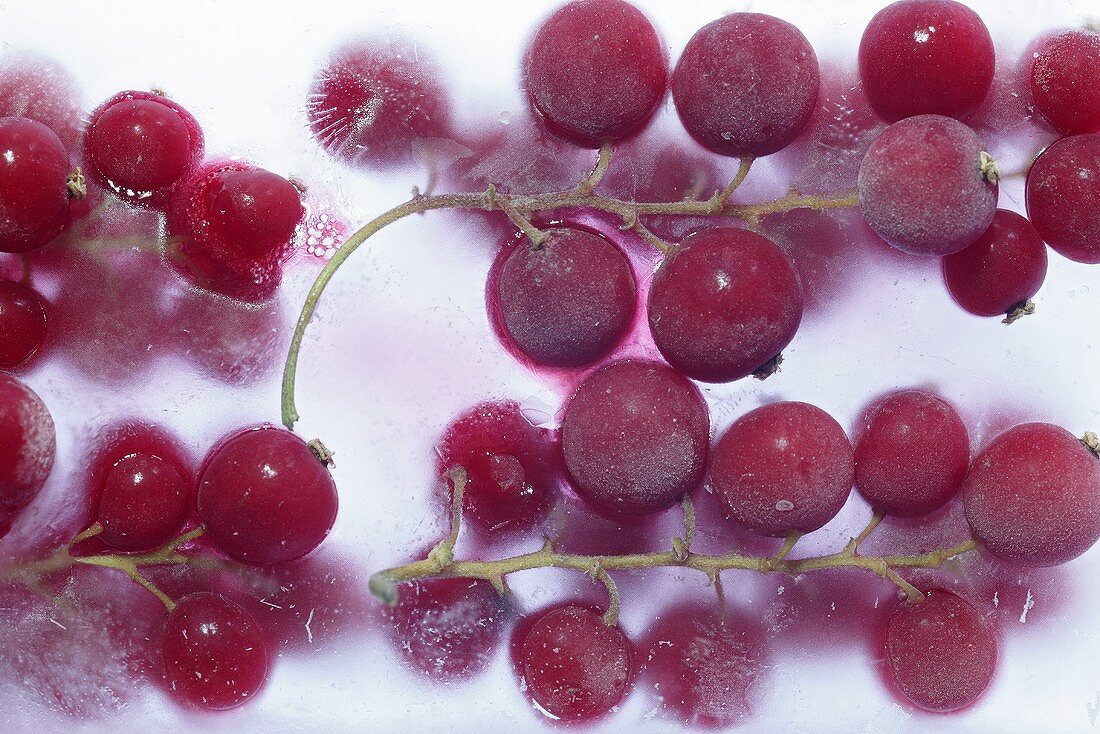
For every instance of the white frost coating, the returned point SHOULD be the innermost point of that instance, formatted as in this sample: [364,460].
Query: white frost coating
[39,442]
[1028,604]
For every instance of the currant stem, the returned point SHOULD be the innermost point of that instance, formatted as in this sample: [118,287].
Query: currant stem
[523,224]
[718,201]
[589,183]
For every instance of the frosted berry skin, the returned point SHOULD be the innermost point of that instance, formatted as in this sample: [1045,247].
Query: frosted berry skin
[34,195]
[140,145]
[912,454]
[723,304]
[1004,268]
[264,497]
[447,629]
[214,652]
[567,302]
[921,187]
[230,228]
[596,71]
[512,468]
[635,437]
[920,57]
[27,447]
[746,84]
[144,501]
[1063,197]
[573,665]
[785,467]
[39,88]
[1032,496]
[941,653]
[1063,81]
[705,671]
[375,102]
[22,323]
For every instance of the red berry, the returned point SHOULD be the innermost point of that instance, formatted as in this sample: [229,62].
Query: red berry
[567,302]
[708,671]
[921,57]
[912,453]
[1004,268]
[1063,197]
[264,496]
[782,468]
[215,656]
[231,228]
[1033,496]
[596,71]
[376,102]
[42,90]
[746,84]
[22,323]
[724,304]
[512,467]
[635,437]
[143,503]
[1063,81]
[922,187]
[34,195]
[573,665]
[941,653]
[27,443]
[447,629]
[141,144]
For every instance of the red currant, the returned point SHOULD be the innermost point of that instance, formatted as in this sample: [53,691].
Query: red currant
[27,443]
[22,323]
[34,193]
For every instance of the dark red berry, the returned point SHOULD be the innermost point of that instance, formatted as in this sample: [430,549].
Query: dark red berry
[920,57]
[215,656]
[34,194]
[1063,81]
[264,497]
[40,89]
[746,84]
[377,102]
[707,670]
[143,503]
[1033,496]
[22,323]
[1063,197]
[723,304]
[231,228]
[1004,268]
[567,302]
[940,652]
[141,144]
[512,467]
[447,629]
[596,71]
[635,437]
[27,444]
[912,453]
[925,186]
[782,468]
[574,666]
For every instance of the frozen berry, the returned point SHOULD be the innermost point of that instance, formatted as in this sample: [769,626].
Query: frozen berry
[912,453]
[1063,81]
[141,144]
[34,189]
[921,57]
[22,323]
[143,502]
[926,186]
[746,84]
[566,302]
[596,71]
[1033,496]
[1063,197]
[941,652]
[27,444]
[264,496]
[635,437]
[782,468]
[724,304]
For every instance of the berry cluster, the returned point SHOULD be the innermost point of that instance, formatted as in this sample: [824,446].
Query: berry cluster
[628,290]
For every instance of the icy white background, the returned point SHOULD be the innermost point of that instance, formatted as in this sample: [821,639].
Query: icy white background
[401,344]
